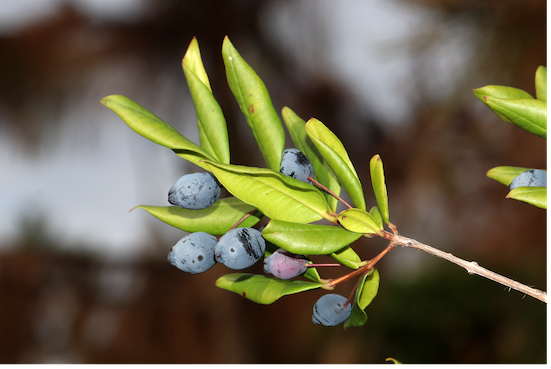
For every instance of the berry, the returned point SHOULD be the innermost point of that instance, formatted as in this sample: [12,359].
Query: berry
[530,178]
[240,248]
[194,253]
[329,310]
[284,265]
[194,191]
[295,164]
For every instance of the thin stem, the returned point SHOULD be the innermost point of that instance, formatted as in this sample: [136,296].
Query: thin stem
[471,267]
[353,292]
[242,219]
[329,191]
[308,265]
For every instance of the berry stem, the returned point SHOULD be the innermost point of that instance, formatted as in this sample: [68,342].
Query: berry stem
[329,191]
[308,265]
[242,219]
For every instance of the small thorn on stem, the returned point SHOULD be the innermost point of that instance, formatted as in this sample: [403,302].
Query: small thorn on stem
[328,191]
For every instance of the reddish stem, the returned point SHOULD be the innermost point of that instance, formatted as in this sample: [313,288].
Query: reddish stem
[329,191]
[321,265]
[370,264]
[242,219]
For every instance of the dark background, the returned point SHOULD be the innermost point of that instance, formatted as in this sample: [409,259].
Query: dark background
[62,302]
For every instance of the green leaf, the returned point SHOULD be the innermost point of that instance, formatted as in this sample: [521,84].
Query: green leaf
[528,114]
[217,219]
[276,195]
[541,83]
[379,187]
[376,214]
[323,174]
[393,360]
[262,289]
[359,221]
[256,104]
[213,132]
[366,292]
[502,92]
[150,126]
[348,257]
[334,153]
[536,196]
[504,174]
[308,239]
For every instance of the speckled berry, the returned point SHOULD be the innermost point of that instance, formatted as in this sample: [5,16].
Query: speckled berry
[194,191]
[530,178]
[329,310]
[295,164]
[240,248]
[194,253]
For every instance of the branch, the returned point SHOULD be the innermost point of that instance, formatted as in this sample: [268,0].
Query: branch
[472,267]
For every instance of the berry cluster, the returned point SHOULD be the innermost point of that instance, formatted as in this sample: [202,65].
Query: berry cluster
[296,189]
[240,248]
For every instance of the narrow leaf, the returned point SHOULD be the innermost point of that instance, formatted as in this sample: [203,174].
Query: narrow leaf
[359,221]
[308,239]
[150,126]
[379,187]
[276,195]
[334,153]
[528,114]
[217,219]
[376,214]
[504,174]
[256,104]
[193,63]
[323,174]
[393,360]
[262,289]
[502,92]
[541,83]
[366,292]
[213,132]
[348,257]
[536,196]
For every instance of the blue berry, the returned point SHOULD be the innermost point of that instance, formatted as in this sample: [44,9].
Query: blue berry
[295,164]
[329,310]
[194,191]
[194,253]
[240,248]
[530,178]
[284,265]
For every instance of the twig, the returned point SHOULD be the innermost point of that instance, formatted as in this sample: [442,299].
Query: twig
[472,267]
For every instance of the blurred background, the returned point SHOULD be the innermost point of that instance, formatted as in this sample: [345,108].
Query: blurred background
[82,280]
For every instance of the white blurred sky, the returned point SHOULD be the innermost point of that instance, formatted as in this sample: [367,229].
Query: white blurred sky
[65,183]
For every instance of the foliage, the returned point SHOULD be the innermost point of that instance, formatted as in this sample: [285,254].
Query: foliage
[302,215]
[291,205]
[520,108]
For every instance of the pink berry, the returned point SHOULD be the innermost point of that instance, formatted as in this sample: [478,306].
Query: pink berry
[285,265]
